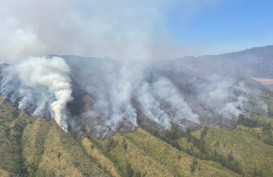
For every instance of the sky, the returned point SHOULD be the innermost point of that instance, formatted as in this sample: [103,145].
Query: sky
[154,29]
[231,25]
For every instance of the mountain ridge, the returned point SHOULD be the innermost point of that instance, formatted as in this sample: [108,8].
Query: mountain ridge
[185,118]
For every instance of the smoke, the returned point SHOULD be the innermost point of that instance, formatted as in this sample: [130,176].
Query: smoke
[151,107]
[119,91]
[162,102]
[39,83]
[227,97]
[112,87]
[122,91]
[16,40]
[113,29]
[122,95]
[120,29]
[166,91]
[130,94]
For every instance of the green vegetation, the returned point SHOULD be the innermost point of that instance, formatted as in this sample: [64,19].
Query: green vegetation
[40,148]
[36,147]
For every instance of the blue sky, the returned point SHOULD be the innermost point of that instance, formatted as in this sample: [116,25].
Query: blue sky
[227,26]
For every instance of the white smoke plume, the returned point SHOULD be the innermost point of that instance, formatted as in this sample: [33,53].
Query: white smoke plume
[112,85]
[122,91]
[166,91]
[115,29]
[151,107]
[226,97]
[161,101]
[42,83]
[121,95]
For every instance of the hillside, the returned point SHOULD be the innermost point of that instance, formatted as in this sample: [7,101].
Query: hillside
[132,88]
[37,147]
[40,148]
[203,116]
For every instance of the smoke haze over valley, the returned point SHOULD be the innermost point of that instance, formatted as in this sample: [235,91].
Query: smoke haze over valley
[109,95]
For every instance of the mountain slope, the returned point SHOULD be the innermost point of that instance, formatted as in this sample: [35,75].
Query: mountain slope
[37,147]
[233,135]
[40,148]
[10,150]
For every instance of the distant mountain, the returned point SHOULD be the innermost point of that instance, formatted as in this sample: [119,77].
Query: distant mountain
[255,62]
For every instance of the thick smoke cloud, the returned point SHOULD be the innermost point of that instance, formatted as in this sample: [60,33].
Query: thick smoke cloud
[123,91]
[143,94]
[119,92]
[166,91]
[225,97]
[162,102]
[17,41]
[151,107]
[122,95]
[112,29]
[42,84]
[113,87]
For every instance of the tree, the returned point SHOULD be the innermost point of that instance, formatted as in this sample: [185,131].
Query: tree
[128,170]
[193,165]
[230,156]
[125,146]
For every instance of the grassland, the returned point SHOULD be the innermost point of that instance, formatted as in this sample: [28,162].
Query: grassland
[37,147]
